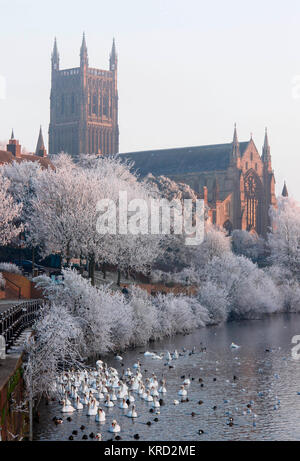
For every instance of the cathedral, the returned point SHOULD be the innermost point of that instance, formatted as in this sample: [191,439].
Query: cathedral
[235,181]
[84,106]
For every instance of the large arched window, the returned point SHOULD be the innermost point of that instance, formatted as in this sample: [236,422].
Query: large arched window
[252,198]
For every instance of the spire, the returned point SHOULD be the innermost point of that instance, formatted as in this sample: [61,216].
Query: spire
[113,58]
[235,144]
[266,155]
[83,52]
[40,147]
[285,191]
[55,56]
[12,134]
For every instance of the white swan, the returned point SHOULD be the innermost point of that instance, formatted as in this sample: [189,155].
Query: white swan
[149,397]
[155,403]
[67,408]
[78,405]
[162,389]
[175,355]
[108,403]
[114,427]
[123,404]
[100,416]
[149,354]
[182,391]
[168,356]
[176,402]
[92,408]
[132,413]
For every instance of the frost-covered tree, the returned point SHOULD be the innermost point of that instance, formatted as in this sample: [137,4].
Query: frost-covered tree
[284,240]
[10,267]
[248,244]
[10,212]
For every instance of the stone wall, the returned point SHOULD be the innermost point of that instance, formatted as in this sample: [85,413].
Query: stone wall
[13,424]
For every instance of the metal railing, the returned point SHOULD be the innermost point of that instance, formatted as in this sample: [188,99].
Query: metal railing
[17,318]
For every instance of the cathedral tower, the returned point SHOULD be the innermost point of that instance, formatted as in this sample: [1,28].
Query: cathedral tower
[84,106]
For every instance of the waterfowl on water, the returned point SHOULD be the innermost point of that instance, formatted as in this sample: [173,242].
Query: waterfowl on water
[67,408]
[132,412]
[114,427]
[100,416]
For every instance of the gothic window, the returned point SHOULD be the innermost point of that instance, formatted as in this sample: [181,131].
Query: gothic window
[72,103]
[251,156]
[105,105]
[95,104]
[252,196]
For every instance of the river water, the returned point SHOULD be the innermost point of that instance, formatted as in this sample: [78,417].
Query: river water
[267,378]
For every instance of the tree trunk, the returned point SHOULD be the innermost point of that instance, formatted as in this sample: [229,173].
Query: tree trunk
[119,278]
[104,270]
[92,270]
[33,257]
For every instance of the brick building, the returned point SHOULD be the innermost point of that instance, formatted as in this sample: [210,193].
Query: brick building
[84,106]
[13,152]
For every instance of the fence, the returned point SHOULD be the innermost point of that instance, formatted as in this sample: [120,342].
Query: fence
[17,318]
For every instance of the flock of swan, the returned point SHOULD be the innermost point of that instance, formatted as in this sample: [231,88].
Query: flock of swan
[92,390]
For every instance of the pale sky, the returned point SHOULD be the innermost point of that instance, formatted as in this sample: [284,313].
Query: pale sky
[188,70]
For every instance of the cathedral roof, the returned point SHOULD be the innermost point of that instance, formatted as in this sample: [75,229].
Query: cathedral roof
[181,160]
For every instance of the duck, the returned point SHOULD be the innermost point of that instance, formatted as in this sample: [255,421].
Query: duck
[234,346]
[67,408]
[137,365]
[98,437]
[114,427]
[182,391]
[187,382]
[100,416]
[119,358]
[132,412]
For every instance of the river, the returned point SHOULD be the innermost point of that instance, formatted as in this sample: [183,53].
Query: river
[261,373]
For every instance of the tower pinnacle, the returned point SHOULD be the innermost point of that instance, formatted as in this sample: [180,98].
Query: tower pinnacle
[285,191]
[55,56]
[235,144]
[83,52]
[266,155]
[113,58]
